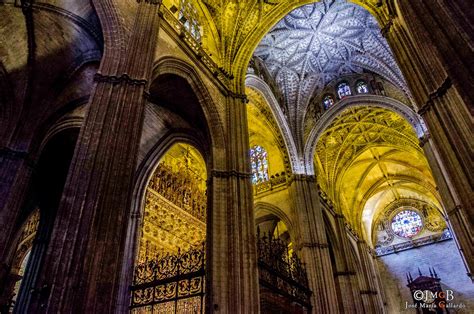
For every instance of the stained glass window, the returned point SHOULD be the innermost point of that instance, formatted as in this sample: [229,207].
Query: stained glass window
[407,224]
[328,101]
[362,88]
[343,90]
[259,162]
[189,17]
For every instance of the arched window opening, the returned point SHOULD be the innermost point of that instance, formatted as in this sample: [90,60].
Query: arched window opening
[343,90]
[189,17]
[328,101]
[362,87]
[259,162]
[173,234]
[407,223]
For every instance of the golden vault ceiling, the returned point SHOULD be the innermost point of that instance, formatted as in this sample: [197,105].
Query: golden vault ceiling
[369,157]
[264,131]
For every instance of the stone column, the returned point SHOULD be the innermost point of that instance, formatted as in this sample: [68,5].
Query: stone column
[346,270]
[312,243]
[371,297]
[432,46]
[232,275]
[81,269]
[15,174]
[455,217]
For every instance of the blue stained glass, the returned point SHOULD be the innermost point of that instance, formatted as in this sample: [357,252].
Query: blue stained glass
[259,163]
[362,87]
[188,16]
[407,224]
[343,90]
[328,101]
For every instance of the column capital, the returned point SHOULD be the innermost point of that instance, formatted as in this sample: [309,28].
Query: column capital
[238,96]
[16,155]
[229,173]
[314,245]
[7,152]
[373,292]
[118,79]
[424,139]
[344,273]
[154,2]
[439,92]
[387,26]
[302,177]
[454,210]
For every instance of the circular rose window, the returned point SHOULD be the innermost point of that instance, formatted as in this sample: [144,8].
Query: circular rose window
[407,224]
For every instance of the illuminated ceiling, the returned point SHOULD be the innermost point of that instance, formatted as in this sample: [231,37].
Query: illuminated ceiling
[369,157]
[264,131]
[319,42]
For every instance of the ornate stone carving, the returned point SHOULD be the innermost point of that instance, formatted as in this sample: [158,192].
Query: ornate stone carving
[175,210]
[319,42]
[167,227]
[184,189]
[383,235]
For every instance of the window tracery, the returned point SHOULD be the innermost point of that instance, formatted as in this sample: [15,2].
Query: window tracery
[328,101]
[343,90]
[259,163]
[189,17]
[362,87]
[407,224]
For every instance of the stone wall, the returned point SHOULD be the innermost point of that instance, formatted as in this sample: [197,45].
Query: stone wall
[445,259]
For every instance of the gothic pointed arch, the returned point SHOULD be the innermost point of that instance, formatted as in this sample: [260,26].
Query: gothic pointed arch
[368,155]
[375,101]
[270,14]
[256,83]
[262,209]
[170,65]
[115,33]
[144,173]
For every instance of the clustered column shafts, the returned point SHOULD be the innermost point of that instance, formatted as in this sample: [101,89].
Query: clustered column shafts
[368,281]
[437,79]
[233,273]
[312,243]
[346,270]
[82,265]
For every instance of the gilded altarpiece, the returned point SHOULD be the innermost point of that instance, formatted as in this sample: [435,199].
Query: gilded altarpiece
[170,269]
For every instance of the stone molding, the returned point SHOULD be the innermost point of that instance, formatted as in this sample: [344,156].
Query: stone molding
[438,93]
[229,173]
[302,177]
[314,245]
[115,80]
[344,273]
[358,100]
[424,139]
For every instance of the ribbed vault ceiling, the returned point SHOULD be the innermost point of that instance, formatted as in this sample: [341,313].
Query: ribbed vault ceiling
[319,42]
[263,131]
[370,156]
